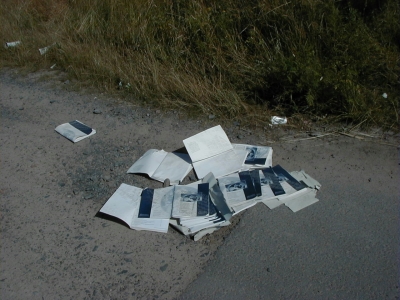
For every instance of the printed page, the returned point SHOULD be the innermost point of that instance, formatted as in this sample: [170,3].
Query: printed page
[257,156]
[185,200]
[162,203]
[266,190]
[232,188]
[175,167]
[149,162]
[207,144]
[221,165]
[124,203]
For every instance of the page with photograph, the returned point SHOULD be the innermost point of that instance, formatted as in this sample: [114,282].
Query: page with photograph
[257,156]
[237,188]
[191,200]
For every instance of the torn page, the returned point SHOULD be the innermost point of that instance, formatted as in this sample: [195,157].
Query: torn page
[221,165]
[207,144]
[257,156]
[160,165]
[75,131]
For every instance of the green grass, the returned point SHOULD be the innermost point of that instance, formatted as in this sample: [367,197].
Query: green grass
[224,57]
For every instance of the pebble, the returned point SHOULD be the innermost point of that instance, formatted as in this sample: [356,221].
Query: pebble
[66,82]
[21,108]
[97,111]
[88,196]
[61,184]
[211,117]
[52,101]
[240,136]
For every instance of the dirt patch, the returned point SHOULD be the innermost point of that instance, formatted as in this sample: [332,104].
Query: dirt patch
[53,245]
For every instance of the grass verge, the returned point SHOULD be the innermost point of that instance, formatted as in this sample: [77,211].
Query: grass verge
[229,58]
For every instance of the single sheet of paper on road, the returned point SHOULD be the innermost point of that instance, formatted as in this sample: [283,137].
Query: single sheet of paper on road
[222,164]
[160,165]
[75,131]
[207,144]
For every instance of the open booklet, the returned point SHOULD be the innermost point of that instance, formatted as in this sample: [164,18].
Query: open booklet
[148,209]
[211,151]
[160,165]
[75,131]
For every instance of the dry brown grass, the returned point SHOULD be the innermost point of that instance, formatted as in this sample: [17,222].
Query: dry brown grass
[229,58]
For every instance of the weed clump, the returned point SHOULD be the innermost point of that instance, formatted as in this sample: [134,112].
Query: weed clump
[226,57]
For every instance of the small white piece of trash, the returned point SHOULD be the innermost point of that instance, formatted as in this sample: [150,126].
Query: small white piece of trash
[275,120]
[12,44]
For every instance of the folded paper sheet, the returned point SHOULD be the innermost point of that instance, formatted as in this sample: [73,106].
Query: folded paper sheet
[75,131]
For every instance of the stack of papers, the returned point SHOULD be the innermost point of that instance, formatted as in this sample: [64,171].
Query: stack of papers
[231,178]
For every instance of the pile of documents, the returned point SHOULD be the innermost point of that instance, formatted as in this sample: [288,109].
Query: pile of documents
[231,178]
